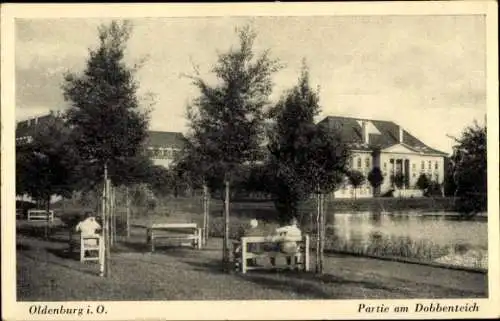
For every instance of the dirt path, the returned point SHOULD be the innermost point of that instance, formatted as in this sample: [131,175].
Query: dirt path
[47,272]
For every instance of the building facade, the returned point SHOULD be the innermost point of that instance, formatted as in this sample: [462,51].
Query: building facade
[386,145]
[162,147]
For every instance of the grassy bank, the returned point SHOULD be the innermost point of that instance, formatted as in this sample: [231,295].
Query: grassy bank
[190,209]
[47,272]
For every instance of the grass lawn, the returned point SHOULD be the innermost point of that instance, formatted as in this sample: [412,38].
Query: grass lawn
[47,272]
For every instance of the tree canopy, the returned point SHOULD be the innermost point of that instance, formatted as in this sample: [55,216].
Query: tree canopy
[48,165]
[356,179]
[376,178]
[304,158]
[423,182]
[470,169]
[225,121]
[105,114]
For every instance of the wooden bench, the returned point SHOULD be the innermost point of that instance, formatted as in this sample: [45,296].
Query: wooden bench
[241,253]
[40,215]
[86,245]
[174,232]
[91,244]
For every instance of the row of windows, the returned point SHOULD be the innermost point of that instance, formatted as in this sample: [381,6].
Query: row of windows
[428,174]
[163,153]
[358,161]
[414,165]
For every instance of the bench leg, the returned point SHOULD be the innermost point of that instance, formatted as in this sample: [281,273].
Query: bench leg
[243,264]
[243,257]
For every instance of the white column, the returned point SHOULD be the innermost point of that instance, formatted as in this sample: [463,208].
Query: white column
[403,171]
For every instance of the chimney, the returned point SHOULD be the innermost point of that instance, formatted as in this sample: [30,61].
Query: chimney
[364,130]
[400,134]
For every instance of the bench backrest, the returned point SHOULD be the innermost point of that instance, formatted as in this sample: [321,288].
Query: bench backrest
[174,226]
[40,214]
[271,239]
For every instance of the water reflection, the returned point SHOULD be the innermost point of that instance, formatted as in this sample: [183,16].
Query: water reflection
[421,235]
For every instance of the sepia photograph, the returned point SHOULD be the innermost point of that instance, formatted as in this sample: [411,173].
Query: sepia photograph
[331,164]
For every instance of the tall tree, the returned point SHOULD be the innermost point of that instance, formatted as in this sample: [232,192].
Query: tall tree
[305,159]
[470,170]
[226,119]
[293,125]
[47,165]
[356,179]
[376,179]
[105,114]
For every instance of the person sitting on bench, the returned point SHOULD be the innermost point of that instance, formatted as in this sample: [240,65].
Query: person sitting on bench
[287,246]
[89,228]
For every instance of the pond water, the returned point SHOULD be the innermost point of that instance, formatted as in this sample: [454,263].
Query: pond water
[438,237]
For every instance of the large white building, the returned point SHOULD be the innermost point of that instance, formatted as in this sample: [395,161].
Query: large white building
[384,144]
[163,147]
[374,143]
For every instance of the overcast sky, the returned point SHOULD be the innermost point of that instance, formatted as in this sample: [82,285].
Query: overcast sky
[426,73]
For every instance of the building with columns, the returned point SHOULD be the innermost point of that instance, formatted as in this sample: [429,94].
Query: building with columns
[384,144]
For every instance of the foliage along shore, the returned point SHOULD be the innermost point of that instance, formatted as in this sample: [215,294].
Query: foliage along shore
[265,209]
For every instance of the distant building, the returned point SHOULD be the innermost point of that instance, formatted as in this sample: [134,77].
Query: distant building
[26,129]
[162,147]
[384,144]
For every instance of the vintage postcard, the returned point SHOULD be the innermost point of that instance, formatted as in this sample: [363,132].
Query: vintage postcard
[251,161]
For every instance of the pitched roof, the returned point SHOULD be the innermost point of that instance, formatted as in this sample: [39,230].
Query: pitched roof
[28,127]
[165,139]
[350,130]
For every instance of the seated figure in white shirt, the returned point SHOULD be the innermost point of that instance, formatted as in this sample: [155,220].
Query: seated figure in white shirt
[88,228]
[289,233]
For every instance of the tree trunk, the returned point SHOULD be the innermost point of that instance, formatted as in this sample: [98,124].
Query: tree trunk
[208,216]
[110,216]
[225,255]
[107,254]
[127,204]
[102,261]
[47,225]
[322,235]
[113,212]
[205,213]
[318,232]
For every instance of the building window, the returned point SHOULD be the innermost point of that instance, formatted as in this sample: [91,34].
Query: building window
[423,165]
[367,162]
[430,164]
[436,166]
[414,166]
[385,165]
[413,175]
[359,162]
